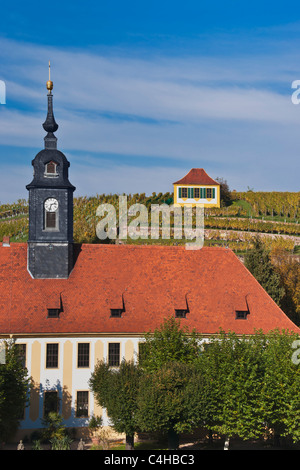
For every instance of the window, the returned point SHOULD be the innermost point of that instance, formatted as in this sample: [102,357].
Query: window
[184,192]
[51,220]
[51,402]
[241,314]
[180,313]
[82,404]
[116,312]
[209,193]
[83,355]
[114,354]
[196,193]
[52,355]
[21,350]
[50,169]
[53,312]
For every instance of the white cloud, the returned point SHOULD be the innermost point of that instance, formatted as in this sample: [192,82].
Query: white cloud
[226,114]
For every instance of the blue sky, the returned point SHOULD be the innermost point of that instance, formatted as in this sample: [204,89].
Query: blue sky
[144,91]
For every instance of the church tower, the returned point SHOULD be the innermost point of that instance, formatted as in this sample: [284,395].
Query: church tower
[50,241]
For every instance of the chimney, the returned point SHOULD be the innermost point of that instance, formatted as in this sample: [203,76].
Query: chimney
[6,241]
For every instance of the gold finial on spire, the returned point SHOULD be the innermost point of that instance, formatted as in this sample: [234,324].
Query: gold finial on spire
[49,83]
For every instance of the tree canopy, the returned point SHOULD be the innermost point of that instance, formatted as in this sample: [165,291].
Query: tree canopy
[116,390]
[14,384]
[258,261]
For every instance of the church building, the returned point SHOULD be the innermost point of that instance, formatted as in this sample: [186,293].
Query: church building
[69,305]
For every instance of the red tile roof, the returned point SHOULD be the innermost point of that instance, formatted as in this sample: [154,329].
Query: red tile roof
[153,281]
[196,176]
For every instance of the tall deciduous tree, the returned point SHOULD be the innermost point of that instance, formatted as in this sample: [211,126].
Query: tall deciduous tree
[171,342]
[279,399]
[168,359]
[288,269]
[164,403]
[116,390]
[14,385]
[232,375]
[259,264]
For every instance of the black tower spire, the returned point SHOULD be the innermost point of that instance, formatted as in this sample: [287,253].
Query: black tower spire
[50,125]
[50,242]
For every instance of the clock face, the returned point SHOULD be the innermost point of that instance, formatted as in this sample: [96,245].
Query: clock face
[51,204]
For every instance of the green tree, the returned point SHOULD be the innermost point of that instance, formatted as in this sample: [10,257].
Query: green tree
[163,402]
[258,262]
[169,343]
[168,358]
[232,374]
[116,390]
[53,426]
[225,194]
[279,397]
[14,385]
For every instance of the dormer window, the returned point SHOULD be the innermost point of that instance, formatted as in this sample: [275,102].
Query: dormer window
[180,313]
[116,312]
[55,306]
[241,314]
[51,169]
[116,305]
[53,312]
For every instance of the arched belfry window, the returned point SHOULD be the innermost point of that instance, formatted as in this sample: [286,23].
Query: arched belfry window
[51,169]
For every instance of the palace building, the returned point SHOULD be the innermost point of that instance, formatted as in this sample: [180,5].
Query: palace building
[197,188]
[69,305]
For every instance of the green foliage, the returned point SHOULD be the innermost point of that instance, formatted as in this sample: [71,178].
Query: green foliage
[279,397]
[61,443]
[259,263]
[168,359]
[272,203]
[247,386]
[14,385]
[95,423]
[169,343]
[54,428]
[116,390]
[230,385]
[163,403]
[232,374]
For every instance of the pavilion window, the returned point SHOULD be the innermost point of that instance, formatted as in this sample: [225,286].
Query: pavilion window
[184,192]
[208,193]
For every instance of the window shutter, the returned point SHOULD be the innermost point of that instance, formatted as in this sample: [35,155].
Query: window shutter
[213,192]
[179,192]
